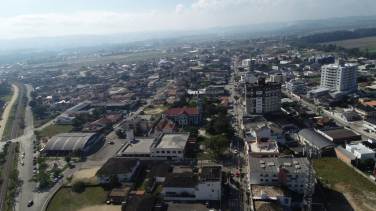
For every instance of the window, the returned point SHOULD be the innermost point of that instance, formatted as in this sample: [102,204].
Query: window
[168,152]
[173,152]
[157,151]
[212,190]
[261,180]
[208,184]
[267,180]
[162,151]
[261,175]
[179,152]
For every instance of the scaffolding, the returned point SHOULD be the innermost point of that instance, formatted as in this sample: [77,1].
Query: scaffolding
[311,153]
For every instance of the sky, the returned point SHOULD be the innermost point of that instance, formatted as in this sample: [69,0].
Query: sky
[35,18]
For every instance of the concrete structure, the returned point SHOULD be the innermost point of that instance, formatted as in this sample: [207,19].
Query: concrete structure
[185,115]
[339,76]
[360,151]
[278,78]
[312,138]
[209,184]
[345,155]
[287,172]
[370,124]
[67,142]
[263,97]
[124,168]
[129,134]
[261,147]
[296,86]
[246,62]
[248,78]
[271,193]
[170,146]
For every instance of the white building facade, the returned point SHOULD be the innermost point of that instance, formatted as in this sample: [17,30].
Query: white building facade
[339,76]
[296,86]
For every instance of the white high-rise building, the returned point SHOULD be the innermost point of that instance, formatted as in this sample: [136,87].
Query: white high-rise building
[339,76]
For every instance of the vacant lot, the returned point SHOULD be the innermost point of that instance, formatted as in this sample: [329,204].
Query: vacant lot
[157,110]
[344,187]
[66,199]
[366,42]
[52,130]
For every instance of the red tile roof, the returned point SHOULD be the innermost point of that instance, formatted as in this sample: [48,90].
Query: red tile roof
[177,111]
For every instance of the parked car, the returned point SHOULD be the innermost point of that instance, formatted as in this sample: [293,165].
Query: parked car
[60,176]
[111,142]
[55,180]
[237,174]
[22,163]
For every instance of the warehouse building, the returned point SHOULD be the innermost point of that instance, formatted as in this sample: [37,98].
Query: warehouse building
[339,135]
[64,143]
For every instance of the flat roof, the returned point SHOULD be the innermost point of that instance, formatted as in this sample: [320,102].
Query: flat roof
[138,146]
[69,141]
[272,164]
[360,148]
[271,191]
[338,132]
[172,140]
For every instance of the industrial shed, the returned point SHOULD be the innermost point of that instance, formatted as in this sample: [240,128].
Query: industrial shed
[65,143]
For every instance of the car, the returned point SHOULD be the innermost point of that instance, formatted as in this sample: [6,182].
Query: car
[235,151]
[9,141]
[237,174]
[232,174]
[34,171]
[22,163]
[111,142]
[35,168]
[207,203]
[60,176]
[55,180]
[30,203]
[23,153]
[23,156]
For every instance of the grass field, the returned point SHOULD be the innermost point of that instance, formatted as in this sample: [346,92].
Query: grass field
[9,125]
[157,110]
[318,79]
[52,130]
[66,199]
[344,188]
[366,42]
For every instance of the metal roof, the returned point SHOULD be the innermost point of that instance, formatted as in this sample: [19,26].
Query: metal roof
[315,138]
[68,141]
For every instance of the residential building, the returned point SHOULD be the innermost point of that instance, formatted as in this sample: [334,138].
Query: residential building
[361,152]
[278,78]
[261,147]
[215,90]
[339,76]
[288,172]
[246,62]
[145,203]
[365,110]
[124,168]
[296,86]
[180,185]
[370,125]
[248,78]
[209,184]
[263,97]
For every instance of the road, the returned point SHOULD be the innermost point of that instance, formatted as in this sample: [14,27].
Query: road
[7,110]
[355,126]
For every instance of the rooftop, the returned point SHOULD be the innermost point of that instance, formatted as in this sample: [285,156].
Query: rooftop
[339,132]
[360,148]
[171,140]
[211,173]
[264,146]
[272,164]
[271,191]
[118,166]
[138,146]
[372,121]
[183,180]
[69,141]
[315,138]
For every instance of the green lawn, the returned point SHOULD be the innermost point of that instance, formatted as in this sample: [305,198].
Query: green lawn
[343,185]
[318,79]
[66,199]
[52,130]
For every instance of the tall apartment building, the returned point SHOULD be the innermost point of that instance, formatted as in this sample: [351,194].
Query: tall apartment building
[263,97]
[296,86]
[287,172]
[278,77]
[339,76]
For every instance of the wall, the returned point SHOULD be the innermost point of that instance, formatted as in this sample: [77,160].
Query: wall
[178,191]
[342,156]
[208,191]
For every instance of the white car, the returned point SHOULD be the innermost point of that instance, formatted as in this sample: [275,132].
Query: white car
[235,151]
[22,163]
[23,156]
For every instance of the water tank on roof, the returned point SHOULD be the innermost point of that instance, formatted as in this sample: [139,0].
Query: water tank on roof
[129,134]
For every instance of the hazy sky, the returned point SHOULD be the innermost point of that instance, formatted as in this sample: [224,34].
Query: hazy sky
[30,18]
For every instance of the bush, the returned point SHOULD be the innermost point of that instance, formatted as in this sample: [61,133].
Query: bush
[369,162]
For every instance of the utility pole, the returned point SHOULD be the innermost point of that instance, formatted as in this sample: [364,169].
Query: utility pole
[311,153]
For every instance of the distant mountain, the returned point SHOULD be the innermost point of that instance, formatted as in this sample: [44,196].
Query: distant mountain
[293,27]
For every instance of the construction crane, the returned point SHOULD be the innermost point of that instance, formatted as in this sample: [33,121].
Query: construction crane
[311,153]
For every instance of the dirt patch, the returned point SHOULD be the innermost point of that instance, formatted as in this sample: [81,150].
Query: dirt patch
[102,208]
[356,201]
[154,111]
[7,110]
[85,173]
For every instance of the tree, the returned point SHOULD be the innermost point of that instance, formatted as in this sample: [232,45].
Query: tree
[288,152]
[217,144]
[56,172]
[39,111]
[114,180]
[67,159]
[33,103]
[78,186]
[228,175]
[192,130]
[43,177]
[219,126]
[221,109]
[369,162]
[77,152]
